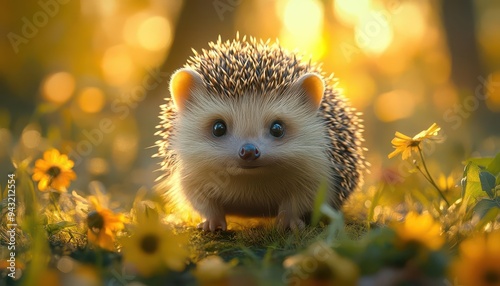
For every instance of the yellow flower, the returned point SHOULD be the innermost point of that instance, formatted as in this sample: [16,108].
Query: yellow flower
[212,270]
[103,224]
[405,144]
[53,171]
[153,247]
[446,183]
[479,262]
[420,229]
[320,265]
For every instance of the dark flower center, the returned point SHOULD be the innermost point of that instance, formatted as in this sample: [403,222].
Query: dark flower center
[54,171]
[491,277]
[414,143]
[95,220]
[150,243]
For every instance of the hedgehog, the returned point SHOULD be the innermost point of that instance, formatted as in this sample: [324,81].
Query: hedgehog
[251,130]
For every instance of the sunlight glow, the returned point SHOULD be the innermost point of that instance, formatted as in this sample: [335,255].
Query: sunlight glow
[124,150]
[492,91]
[303,17]
[117,65]
[91,99]
[349,12]
[445,97]
[373,33]
[359,88]
[59,87]
[155,33]
[394,105]
[31,138]
[409,23]
[97,166]
[303,27]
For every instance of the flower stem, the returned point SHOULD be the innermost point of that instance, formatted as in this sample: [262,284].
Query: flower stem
[428,176]
[54,199]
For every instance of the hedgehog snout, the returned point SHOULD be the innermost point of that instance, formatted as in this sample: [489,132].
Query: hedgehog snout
[249,152]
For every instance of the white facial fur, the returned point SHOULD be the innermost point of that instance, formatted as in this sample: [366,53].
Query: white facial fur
[290,168]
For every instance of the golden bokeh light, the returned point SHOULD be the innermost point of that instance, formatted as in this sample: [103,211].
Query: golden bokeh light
[349,12]
[373,33]
[303,17]
[492,90]
[489,41]
[91,99]
[117,65]
[445,97]
[437,67]
[155,33]
[303,27]
[97,166]
[58,87]
[65,264]
[131,27]
[395,105]
[409,23]
[31,138]
[124,150]
[359,88]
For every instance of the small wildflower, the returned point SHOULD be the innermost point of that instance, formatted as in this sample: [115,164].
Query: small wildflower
[103,224]
[153,247]
[405,144]
[53,171]
[420,229]
[331,268]
[445,182]
[479,262]
[212,270]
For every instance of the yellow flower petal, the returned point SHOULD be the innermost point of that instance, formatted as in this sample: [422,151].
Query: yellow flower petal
[406,145]
[421,229]
[154,247]
[479,261]
[53,171]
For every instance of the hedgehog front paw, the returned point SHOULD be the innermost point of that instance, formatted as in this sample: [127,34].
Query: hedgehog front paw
[293,223]
[213,223]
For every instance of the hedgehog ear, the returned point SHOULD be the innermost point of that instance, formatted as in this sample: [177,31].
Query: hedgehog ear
[182,85]
[312,86]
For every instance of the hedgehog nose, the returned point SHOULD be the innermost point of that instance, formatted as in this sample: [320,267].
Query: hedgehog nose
[249,152]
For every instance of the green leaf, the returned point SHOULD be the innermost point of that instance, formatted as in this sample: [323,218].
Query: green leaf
[494,166]
[318,201]
[484,206]
[482,161]
[487,183]
[471,185]
[54,228]
[490,216]
[374,203]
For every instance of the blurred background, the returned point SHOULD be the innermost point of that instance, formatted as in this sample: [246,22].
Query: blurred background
[88,77]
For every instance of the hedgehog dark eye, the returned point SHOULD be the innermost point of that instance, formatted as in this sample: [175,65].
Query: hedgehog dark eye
[219,128]
[277,129]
